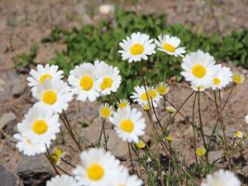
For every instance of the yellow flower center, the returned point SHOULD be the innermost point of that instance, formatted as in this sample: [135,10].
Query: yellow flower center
[95,172]
[86,82]
[45,77]
[151,94]
[216,81]
[199,71]
[238,78]
[168,47]
[137,49]
[146,107]
[49,97]
[162,90]
[127,125]
[106,83]
[39,127]
[238,134]
[140,144]
[201,151]
[105,112]
[122,105]
[169,138]
[28,141]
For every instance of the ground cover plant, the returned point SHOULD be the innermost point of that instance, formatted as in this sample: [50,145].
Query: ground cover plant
[136,65]
[100,41]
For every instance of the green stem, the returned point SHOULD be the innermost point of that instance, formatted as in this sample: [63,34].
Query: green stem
[201,124]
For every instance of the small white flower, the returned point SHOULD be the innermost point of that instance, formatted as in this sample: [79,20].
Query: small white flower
[222,78]
[129,124]
[246,118]
[28,148]
[108,76]
[62,180]
[105,110]
[170,45]
[199,68]
[137,47]
[42,74]
[123,103]
[221,178]
[140,95]
[83,80]
[238,78]
[162,88]
[39,125]
[54,95]
[122,178]
[96,168]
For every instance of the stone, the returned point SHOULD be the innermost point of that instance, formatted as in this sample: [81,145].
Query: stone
[7,178]
[215,155]
[8,123]
[34,170]
[12,84]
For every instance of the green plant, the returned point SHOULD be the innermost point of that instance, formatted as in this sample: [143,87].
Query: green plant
[100,41]
[25,59]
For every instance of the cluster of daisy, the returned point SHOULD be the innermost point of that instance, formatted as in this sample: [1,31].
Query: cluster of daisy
[97,168]
[201,70]
[139,46]
[198,67]
[41,123]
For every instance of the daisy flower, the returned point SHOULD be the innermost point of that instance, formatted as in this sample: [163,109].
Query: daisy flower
[221,177]
[141,96]
[199,88]
[123,103]
[39,76]
[169,138]
[105,110]
[129,124]
[162,88]
[238,134]
[137,47]
[222,78]
[199,68]
[140,144]
[170,109]
[83,80]
[122,178]
[56,155]
[29,148]
[108,76]
[96,168]
[201,151]
[246,118]
[54,95]
[62,180]
[238,78]
[170,45]
[39,125]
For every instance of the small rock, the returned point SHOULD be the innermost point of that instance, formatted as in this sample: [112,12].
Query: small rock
[7,178]
[13,85]
[189,132]
[34,170]
[106,9]
[8,123]
[215,155]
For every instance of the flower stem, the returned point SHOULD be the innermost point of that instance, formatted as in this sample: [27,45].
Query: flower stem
[47,154]
[69,129]
[201,124]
